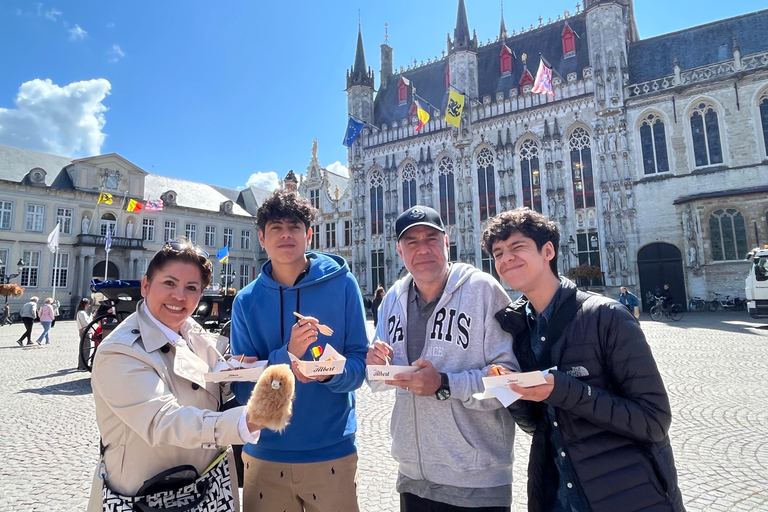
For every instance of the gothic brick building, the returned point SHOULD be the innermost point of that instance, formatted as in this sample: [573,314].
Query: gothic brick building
[652,155]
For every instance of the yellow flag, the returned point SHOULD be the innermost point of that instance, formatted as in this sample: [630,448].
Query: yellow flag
[454,109]
[105,197]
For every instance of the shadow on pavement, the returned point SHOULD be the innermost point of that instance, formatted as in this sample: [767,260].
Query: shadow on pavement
[73,388]
[726,321]
[59,373]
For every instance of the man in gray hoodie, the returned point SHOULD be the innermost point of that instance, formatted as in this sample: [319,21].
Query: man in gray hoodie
[454,451]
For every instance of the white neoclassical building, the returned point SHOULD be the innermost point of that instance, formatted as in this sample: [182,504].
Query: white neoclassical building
[37,191]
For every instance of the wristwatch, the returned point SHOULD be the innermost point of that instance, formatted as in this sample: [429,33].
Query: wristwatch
[444,391]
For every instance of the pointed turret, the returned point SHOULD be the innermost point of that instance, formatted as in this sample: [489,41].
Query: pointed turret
[462,41]
[360,74]
[503,28]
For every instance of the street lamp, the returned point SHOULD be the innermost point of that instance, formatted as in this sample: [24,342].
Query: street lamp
[6,278]
[227,278]
[572,245]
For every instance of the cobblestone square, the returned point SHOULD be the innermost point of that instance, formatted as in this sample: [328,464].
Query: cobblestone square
[713,366]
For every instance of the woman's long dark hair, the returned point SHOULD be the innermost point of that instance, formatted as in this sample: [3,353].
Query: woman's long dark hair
[83,304]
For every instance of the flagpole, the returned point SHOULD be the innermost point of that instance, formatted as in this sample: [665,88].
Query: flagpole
[55,257]
[106,266]
[470,98]
[364,122]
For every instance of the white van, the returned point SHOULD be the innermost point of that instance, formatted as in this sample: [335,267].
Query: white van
[757,284]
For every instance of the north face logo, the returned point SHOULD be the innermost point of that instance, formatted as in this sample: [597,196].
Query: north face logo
[578,371]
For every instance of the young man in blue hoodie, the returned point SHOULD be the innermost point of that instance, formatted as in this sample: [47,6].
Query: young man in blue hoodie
[312,465]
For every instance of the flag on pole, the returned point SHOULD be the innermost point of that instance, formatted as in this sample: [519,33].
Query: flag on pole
[422,114]
[354,128]
[134,206]
[223,255]
[543,83]
[153,205]
[53,238]
[105,197]
[108,243]
[454,109]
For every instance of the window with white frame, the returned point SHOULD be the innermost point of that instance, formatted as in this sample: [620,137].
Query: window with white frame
[588,253]
[245,275]
[530,174]
[60,276]
[6,209]
[315,241]
[108,220]
[210,236]
[486,184]
[706,135]
[653,143]
[190,232]
[728,235]
[143,264]
[581,169]
[3,264]
[488,265]
[409,186]
[453,252]
[229,237]
[314,198]
[763,102]
[347,233]
[447,194]
[245,239]
[148,230]
[169,230]
[64,219]
[31,271]
[330,235]
[33,221]
[377,269]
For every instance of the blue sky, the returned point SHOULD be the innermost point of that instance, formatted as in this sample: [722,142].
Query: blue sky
[227,92]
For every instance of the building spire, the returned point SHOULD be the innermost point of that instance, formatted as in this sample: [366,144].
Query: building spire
[461,37]
[503,29]
[360,74]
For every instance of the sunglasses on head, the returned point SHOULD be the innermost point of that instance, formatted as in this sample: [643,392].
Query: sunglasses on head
[183,246]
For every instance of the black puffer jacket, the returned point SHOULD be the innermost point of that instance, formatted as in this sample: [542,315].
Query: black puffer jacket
[611,406]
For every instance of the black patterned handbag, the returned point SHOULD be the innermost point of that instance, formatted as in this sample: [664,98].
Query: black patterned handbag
[178,489]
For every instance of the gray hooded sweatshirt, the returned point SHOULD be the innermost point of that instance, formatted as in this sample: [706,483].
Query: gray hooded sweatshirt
[462,441]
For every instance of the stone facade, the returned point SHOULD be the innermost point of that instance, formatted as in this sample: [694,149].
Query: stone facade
[580,156]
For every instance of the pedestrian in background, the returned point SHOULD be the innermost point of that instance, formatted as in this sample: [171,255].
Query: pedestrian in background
[47,315]
[56,311]
[6,320]
[83,318]
[378,296]
[630,301]
[28,315]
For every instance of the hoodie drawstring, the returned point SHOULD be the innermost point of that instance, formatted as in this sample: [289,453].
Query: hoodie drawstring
[282,327]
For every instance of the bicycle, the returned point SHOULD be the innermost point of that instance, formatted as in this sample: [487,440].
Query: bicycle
[727,303]
[697,304]
[660,310]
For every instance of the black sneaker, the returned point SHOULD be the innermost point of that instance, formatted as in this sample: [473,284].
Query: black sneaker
[21,343]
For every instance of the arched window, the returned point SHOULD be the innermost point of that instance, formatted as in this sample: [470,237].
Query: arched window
[505,59]
[447,197]
[377,203]
[529,166]
[764,119]
[486,184]
[108,219]
[728,235]
[409,186]
[581,169]
[653,142]
[569,41]
[706,135]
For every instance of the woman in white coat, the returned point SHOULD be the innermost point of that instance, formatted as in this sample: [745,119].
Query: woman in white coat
[154,409]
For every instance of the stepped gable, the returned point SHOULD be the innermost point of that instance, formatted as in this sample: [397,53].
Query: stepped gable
[698,46]
[429,79]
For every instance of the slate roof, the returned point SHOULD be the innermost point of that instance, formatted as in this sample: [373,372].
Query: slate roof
[189,194]
[15,164]
[698,46]
[429,79]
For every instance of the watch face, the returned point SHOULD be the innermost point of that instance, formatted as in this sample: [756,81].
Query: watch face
[443,394]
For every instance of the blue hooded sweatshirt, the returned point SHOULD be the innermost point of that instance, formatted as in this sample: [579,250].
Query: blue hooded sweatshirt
[323,424]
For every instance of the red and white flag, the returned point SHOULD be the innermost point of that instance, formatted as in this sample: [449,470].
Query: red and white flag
[153,205]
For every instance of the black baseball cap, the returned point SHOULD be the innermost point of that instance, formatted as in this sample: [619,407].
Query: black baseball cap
[418,216]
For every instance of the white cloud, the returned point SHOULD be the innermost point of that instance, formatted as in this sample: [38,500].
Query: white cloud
[65,121]
[51,14]
[337,168]
[110,25]
[265,180]
[115,53]
[76,33]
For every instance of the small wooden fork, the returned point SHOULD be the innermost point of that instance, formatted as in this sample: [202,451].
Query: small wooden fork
[324,329]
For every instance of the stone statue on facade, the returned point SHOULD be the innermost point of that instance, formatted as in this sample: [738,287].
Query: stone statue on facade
[611,259]
[611,141]
[623,259]
[129,229]
[86,224]
[692,236]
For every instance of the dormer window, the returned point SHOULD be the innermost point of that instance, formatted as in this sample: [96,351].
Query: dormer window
[402,90]
[505,59]
[569,41]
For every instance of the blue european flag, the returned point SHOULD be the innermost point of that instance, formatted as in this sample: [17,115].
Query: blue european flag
[353,130]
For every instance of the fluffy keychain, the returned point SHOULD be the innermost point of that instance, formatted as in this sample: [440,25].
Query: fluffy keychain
[271,403]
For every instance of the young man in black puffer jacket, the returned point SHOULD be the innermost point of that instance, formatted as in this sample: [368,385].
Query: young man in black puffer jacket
[600,423]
